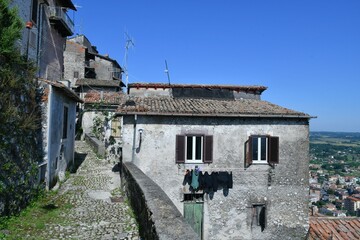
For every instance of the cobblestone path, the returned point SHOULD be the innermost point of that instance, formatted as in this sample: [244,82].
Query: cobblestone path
[98,209]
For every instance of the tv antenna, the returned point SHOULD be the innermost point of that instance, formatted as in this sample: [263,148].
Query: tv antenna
[167,71]
[128,44]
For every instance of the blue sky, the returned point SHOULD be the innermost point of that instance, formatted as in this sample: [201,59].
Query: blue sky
[306,52]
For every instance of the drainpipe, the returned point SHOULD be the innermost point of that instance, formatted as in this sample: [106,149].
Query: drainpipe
[48,136]
[134,140]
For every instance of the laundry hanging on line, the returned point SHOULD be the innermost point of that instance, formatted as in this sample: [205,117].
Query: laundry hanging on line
[208,182]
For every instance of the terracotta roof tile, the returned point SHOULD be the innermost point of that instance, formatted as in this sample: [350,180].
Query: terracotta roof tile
[336,229]
[244,88]
[97,82]
[208,107]
[106,98]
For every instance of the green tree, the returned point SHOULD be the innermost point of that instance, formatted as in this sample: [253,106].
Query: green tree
[19,118]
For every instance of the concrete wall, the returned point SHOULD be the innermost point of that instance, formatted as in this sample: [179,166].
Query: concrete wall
[60,152]
[157,216]
[283,189]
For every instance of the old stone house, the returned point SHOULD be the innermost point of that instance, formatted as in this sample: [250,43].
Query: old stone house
[91,73]
[46,26]
[171,132]
[88,70]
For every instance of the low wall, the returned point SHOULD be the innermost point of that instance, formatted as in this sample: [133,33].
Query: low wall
[96,144]
[157,216]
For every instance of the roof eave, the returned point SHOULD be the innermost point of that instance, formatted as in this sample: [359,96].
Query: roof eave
[217,115]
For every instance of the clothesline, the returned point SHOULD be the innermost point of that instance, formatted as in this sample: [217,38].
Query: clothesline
[231,169]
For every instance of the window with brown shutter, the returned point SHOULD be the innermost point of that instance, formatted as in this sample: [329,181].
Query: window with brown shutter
[261,149]
[180,149]
[247,151]
[194,149]
[208,149]
[273,150]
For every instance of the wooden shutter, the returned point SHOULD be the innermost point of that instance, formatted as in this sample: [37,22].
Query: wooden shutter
[273,157]
[180,149]
[248,153]
[208,149]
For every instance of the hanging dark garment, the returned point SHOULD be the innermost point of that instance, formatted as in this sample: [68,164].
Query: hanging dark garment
[224,182]
[262,218]
[187,178]
[195,180]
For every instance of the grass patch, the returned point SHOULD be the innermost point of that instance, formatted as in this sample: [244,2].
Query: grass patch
[30,223]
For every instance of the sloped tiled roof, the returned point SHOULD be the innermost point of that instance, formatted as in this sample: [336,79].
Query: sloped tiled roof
[204,107]
[105,98]
[61,87]
[229,87]
[334,229]
[97,82]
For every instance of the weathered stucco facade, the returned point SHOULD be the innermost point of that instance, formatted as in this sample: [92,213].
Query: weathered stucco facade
[46,26]
[149,141]
[59,147]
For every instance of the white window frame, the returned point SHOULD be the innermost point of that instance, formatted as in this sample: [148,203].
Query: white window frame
[259,147]
[193,158]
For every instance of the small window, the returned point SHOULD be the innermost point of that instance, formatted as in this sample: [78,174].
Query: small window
[194,149]
[262,149]
[65,122]
[76,74]
[258,216]
[259,149]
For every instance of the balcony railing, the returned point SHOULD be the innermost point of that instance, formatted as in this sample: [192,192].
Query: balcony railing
[59,17]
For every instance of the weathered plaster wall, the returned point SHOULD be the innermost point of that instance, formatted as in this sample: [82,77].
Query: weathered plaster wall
[143,92]
[59,157]
[28,41]
[74,61]
[52,46]
[283,189]
[103,69]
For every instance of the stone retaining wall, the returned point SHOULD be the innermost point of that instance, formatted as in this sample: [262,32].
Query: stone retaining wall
[96,144]
[157,216]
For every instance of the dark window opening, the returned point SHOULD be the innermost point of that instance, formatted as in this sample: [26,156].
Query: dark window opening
[76,74]
[193,197]
[65,122]
[34,11]
[259,216]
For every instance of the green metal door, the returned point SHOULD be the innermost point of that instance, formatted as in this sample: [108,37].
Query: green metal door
[193,213]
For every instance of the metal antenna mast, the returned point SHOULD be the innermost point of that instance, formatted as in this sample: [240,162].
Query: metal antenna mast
[129,43]
[167,72]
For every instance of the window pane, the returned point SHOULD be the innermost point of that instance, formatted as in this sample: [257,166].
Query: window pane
[255,148]
[189,146]
[263,148]
[198,148]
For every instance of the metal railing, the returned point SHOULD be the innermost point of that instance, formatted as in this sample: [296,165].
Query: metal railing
[59,12]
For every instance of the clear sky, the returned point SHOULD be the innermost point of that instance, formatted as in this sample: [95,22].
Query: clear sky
[307,52]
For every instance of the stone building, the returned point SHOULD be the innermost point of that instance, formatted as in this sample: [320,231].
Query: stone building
[89,70]
[46,26]
[262,149]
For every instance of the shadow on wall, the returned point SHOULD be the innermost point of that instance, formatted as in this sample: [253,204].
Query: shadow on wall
[78,160]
